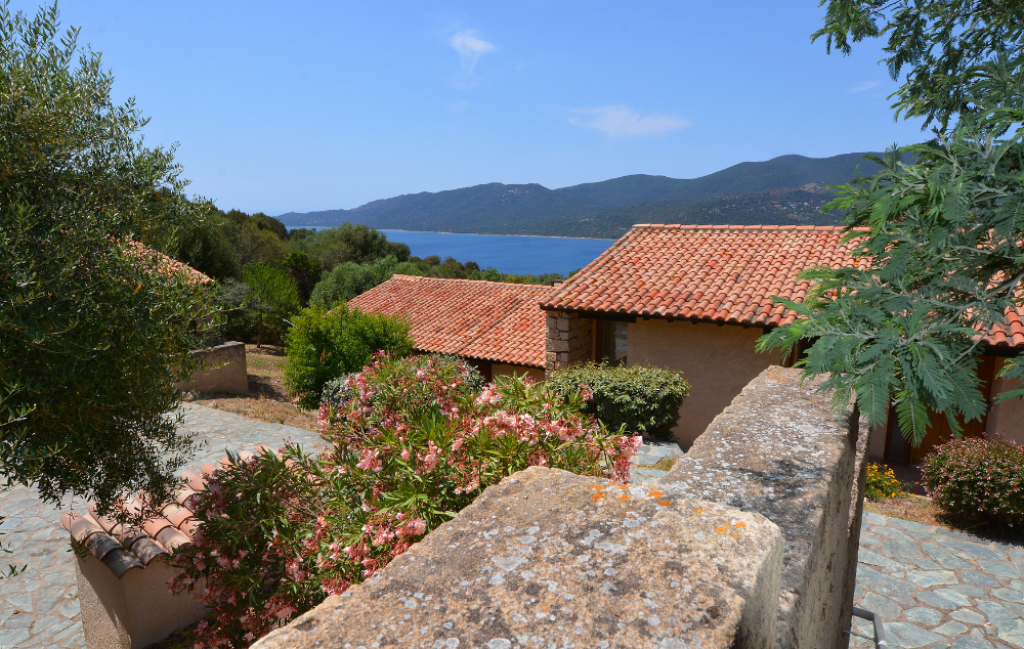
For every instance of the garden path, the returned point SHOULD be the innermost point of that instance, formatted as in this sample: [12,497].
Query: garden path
[936,587]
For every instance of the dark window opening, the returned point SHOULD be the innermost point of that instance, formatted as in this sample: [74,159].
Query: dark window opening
[614,339]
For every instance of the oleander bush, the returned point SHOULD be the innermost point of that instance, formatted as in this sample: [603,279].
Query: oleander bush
[881,483]
[411,443]
[324,345]
[978,478]
[641,398]
[392,384]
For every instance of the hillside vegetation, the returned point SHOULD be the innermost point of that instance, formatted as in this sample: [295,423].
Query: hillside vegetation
[786,190]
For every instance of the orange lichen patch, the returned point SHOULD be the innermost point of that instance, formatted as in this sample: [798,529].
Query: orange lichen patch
[665,502]
[624,497]
[655,494]
[741,524]
[598,487]
[720,530]
[735,536]
[597,496]
[698,510]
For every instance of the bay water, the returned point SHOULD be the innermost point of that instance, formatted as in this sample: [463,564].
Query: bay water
[518,255]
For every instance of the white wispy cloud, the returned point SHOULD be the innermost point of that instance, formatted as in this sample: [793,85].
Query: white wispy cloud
[867,85]
[624,123]
[470,48]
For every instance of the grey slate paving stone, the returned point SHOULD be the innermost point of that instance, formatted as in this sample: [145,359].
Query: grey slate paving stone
[950,629]
[881,583]
[973,640]
[1001,568]
[1010,627]
[922,615]
[930,578]
[883,606]
[939,601]
[1009,595]
[911,525]
[925,564]
[974,550]
[875,559]
[875,519]
[969,590]
[868,539]
[968,616]
[897,548]
[902,634]
[978,578]
[944,557]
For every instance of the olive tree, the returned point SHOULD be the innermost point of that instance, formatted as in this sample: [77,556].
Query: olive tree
[94,329]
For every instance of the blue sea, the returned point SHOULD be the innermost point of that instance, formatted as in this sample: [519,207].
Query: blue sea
[509,254]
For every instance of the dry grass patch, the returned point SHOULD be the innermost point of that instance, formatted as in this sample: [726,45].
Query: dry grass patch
[268,399]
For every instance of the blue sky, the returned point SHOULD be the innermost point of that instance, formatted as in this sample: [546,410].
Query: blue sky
[305,106]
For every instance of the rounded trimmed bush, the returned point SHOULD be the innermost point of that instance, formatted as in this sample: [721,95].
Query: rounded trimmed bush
[642,398]
[978,478]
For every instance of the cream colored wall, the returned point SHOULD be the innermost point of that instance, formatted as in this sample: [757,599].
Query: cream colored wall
[718,361]
[225,370]
[132,612]
[502,369]
[1006,417]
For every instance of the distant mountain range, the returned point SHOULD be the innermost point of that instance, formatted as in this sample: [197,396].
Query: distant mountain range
[786,190]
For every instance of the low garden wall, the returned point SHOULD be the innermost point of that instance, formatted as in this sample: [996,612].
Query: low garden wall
[224,370]
[750,541]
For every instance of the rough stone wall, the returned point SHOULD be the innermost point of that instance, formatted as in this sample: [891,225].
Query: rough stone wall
[778,450]
[750,541]
[225,370]
[570,340]
[548,558]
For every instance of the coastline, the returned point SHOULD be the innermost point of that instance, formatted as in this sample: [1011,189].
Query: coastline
[475,234]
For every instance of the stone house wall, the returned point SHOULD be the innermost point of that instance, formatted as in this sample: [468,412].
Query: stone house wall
[570,340]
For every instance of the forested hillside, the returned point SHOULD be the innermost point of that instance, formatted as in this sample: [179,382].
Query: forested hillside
[786,190]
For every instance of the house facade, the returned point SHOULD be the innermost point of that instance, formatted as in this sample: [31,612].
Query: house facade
[696,299]
[497,326]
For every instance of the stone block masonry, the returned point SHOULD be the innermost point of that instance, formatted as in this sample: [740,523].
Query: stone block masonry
[548,558]
[779,450]
[750,541]
[570,340]
[224,372]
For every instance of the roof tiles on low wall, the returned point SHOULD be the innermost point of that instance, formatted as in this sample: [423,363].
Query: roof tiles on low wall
[122,547]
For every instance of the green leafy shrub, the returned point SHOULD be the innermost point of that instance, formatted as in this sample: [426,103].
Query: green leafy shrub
[641,398]
[978,478]
[881,483]
[350,279]
[412,446]
[324,345]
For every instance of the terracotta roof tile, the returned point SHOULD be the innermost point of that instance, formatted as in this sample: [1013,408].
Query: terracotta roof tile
[170,266]
[493,321]
[123,547]
[720,273]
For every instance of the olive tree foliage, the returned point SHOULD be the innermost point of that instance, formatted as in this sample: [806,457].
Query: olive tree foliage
[940,229]
[94,331]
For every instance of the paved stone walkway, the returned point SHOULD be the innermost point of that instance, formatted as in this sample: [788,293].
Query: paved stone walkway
[935,587]
[40,608]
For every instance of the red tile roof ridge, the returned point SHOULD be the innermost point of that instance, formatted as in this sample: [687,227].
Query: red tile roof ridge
[727,226]
[456,280]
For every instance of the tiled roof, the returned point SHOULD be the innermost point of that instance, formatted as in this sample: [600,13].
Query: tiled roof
[1009,333]
[494,321]
[170,266]
[720,273]
[122,547]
